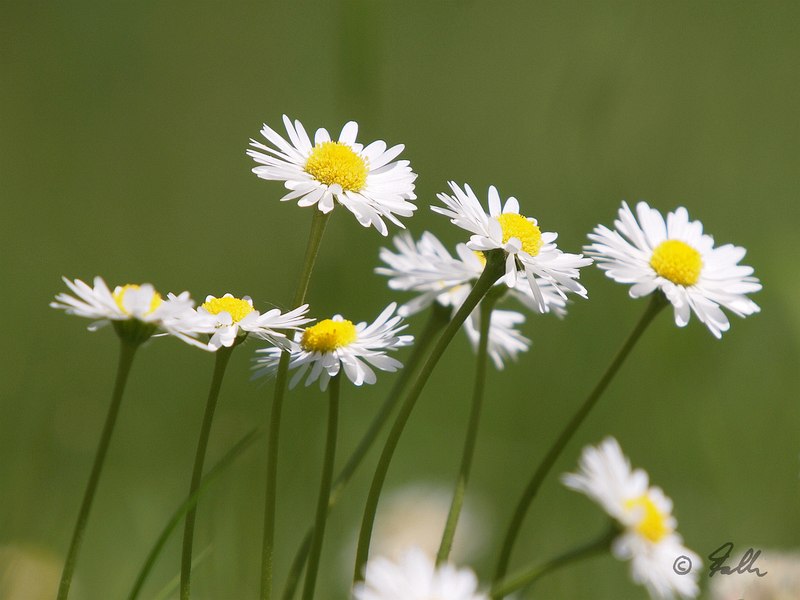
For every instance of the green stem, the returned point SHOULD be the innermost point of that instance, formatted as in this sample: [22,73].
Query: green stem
[493,270]
[472,432]
[656,304]
[188,504]
[220,364]
[439,317]
[324,491]
[318,223]
[531,574]
[126,355]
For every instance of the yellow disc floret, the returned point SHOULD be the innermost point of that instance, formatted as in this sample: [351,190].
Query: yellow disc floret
[328,335]
[336,163]
[517,226]
[119,296]
[653,525]
[677,261]
[238,309]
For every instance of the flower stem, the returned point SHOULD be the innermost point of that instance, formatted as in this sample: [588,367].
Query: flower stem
[222,357]
[472,431]
[188,504]
[439,317]
[531,574]
[126,355]
[656,304]
[324,490]
[493,270]
[318,223]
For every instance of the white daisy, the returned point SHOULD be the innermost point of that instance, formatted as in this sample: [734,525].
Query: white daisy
[416,577]
[505,342]
[228,318]
[679,259]
[426,267]
[367,180]
[648,539]
[333,344]
[527,248]
[131,302]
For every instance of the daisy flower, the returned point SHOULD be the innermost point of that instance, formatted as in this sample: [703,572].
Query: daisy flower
[334,344]
[648,537]
[527,248]
[676,257]
[229,318]
[505,342]
[426,267]
[416,577]
[367,180]
[131,302]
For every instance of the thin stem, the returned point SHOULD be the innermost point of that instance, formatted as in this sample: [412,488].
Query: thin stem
[472,432]
[492,272]
[126,355]
[221,362]
[656,304]
[318,223]
[533,573]
[188,504]
[324,490]
[439,317]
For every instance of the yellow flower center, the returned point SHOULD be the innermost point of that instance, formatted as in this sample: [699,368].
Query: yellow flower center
[328,335]
[653,525]
[517,226]
[119,296]
[677,261]
[481,256]
[335,162]
[238,309]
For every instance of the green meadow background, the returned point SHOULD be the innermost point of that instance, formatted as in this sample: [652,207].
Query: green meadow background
[124,129]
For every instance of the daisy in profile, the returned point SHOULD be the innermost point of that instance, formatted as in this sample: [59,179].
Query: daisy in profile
[229,318]
[416,577]
[527,249]
[677,258]
[367,180]
[648,538]
[331,345]
[141,305]
[427,268]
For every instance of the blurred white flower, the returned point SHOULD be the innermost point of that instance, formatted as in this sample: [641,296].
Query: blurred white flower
[368,181]
[28,574]
[415,577]
[648,539]
[676,257]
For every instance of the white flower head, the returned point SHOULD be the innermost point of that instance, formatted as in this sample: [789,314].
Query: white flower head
[416,577]
[129,302]
[227,318]
[648,539]
[367,180]
[427,268]
[528,250]
[505,341]
[331,345]
[676,257]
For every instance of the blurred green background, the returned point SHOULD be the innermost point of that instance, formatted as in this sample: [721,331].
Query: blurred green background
[124,128]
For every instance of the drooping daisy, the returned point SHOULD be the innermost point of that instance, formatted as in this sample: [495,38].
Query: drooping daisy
[505,341]
[325,348]
[131,302]
[426,267]
[648,538]
[367,180]
[416,577]
[229,318]
[676,257]
[527,248]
